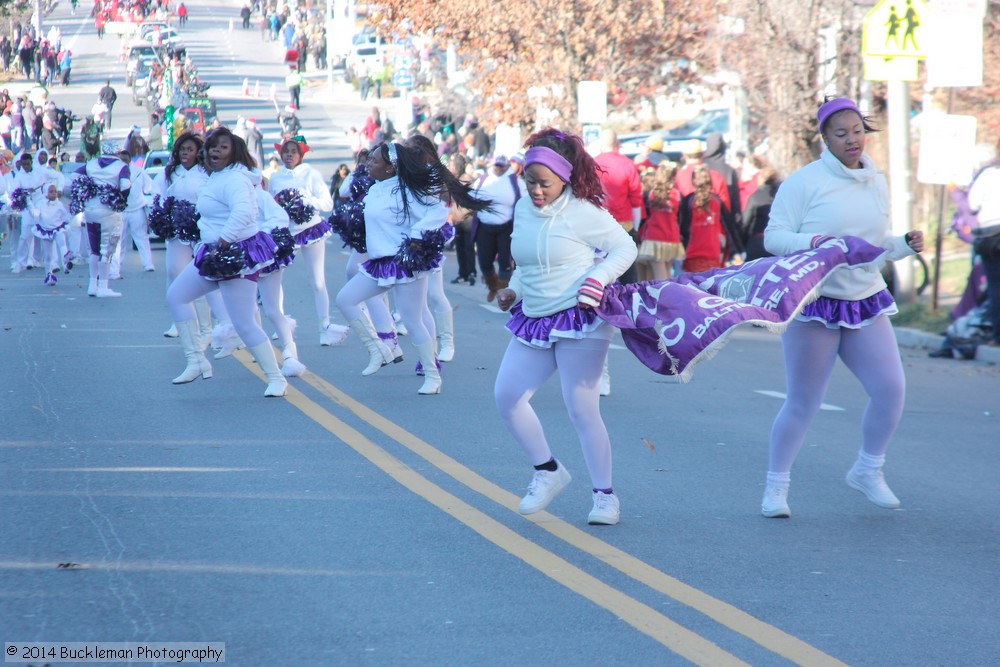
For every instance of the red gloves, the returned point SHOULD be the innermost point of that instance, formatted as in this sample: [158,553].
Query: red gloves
[590,293]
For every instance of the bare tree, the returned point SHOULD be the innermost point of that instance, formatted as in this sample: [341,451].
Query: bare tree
[548,46]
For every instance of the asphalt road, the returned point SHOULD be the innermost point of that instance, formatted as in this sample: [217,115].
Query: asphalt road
[354,522]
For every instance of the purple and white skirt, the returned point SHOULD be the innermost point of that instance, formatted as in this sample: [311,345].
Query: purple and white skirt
[48,234]
[243,259]
[310,235]
[386,271]
[543,332]
[837,313]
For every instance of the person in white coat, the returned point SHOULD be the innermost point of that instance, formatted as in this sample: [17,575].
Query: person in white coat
[301,190]
[403,218]
[100,189]
[842,193]
[53,220]
[25,195]
[135,223]
[228,258]
[551,296]
[273,220]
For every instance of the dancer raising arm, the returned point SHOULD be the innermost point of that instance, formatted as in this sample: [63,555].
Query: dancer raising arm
[404,214]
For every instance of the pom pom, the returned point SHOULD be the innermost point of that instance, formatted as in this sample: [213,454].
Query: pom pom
[361,182]
[218,263]
[83,190]
[113,198]
[159,217]
[298,211]
[421,254]
[348,222]
[184,221]
[285,245]
[19,199]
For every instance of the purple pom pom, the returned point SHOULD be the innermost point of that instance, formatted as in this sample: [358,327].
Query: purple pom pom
[298,211]
[421,254]
[217,263]
[19,199]
[184,220]
[159,217]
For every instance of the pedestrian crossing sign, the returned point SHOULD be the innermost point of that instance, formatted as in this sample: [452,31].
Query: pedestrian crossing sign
[897,29]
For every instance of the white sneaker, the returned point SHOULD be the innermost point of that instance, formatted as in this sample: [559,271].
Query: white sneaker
[171,332]
[606,510]
[333,334]
[543,488]
[775,503]
[874,488]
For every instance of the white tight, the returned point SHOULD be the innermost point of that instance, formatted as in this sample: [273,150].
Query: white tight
[437,301]
[411,299]
[579,362]
[378,310]
[178,256]
[810,351]
[269,286]
[239,295]
[313,257]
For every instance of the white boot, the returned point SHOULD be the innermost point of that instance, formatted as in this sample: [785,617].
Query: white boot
[392,343]
[104,292]
[228,340]
[332,334]
[432,376]
[197,364]
[171,332]
[291,366]
[378,353]
[204,322]
[445,324]
[92,287]
[277,385]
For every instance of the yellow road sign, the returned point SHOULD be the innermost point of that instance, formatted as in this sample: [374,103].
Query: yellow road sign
[895,29]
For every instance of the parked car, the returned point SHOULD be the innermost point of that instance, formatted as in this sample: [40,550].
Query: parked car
[699,127]
[140,80]
[153,169]
[168,38]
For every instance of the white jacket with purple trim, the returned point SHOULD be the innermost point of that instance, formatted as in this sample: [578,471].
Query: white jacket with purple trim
[385,227]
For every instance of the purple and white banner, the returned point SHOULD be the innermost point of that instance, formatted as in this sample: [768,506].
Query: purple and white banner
[696,312]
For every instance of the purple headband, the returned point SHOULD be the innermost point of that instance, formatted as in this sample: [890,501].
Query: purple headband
[547,157]
[835,105]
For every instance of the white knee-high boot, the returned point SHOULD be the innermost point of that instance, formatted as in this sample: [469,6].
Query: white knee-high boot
[445,323]
[197,364]
[291,366]
[277,385]
[204,321]
[378,353]
[432,376]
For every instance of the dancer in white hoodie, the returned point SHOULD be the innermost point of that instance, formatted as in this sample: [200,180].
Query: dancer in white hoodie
[100,189]
[841,194]
[302,192]
[228,258]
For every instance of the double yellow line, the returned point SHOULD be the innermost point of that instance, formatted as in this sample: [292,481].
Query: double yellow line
[644,618]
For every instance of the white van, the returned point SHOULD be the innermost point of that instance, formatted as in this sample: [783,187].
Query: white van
[367,48]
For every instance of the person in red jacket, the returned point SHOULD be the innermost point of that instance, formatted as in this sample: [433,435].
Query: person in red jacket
[694,150]
[622,190]
[706,226]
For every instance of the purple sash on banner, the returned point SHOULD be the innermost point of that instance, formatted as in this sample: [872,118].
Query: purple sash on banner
[698,311]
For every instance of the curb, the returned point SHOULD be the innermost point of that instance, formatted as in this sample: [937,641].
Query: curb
[914,338]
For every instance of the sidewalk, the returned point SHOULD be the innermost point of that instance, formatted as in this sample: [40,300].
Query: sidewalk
[915,338]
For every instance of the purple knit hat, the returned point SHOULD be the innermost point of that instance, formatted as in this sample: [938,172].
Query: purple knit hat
[835,105]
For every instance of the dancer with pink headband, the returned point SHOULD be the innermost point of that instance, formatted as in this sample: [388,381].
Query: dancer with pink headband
[841,194]
[551,297]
